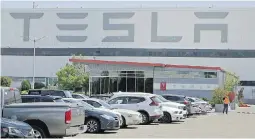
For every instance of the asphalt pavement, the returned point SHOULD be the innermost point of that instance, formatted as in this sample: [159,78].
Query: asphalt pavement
[213,125]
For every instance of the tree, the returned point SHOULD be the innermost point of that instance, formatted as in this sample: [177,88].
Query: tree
[39,85]
[72,76]
[231,81]
[6,81]
[25,85]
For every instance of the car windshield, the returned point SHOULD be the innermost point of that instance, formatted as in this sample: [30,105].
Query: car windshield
[191,100]
[68,94]
[86,105]
[162,99]
[104,104]
[198,99]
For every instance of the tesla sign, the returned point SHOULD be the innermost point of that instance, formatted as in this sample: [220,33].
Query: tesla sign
[221,26]
[163,86]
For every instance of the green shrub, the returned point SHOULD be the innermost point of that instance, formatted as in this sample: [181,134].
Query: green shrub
[218,96]
[6,81]
[25,92]
[38,85]
[204,99]
[25,85]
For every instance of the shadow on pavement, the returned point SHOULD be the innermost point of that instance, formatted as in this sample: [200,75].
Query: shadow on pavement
[132,127]
[107,132]
[150,124]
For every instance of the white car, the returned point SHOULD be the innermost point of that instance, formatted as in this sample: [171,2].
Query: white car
[205,106]
[128,117]
[146,104]
[179,106]
[171,114]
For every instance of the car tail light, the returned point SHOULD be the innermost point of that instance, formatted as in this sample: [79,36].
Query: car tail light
[186,102]
[68,116]
[153,103]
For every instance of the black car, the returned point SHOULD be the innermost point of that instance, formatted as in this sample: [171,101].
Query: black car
[15,129]
[43,92]
[39,98]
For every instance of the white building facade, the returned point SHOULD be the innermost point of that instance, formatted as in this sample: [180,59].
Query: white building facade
[190,36]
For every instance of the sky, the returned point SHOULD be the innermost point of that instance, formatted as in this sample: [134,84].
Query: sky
[123,4]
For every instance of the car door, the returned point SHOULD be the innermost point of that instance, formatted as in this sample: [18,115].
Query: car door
[133,103]
[118,102]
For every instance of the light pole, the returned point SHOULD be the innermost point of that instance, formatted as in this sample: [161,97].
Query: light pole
[34,42]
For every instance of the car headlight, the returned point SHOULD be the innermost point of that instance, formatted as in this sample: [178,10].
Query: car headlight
[175,112]
[107,116]
[180,107]
[13,132]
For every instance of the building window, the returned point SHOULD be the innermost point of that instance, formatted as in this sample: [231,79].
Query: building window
[247,83]
[210,74]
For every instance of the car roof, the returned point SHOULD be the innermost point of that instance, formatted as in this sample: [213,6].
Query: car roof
[94,99]
[45,90]
[173,95]
[133,94]
[49,96]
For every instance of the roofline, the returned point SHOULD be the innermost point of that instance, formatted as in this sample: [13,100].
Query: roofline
[75,60]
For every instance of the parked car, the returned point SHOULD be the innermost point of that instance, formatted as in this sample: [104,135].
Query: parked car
[39,98]
[104,97]
[205,106]
[16,129]
[44,92]
[96,119]
[47,119]
[179,106]
[179,99]
[79,96]
[129,117]
[147,105]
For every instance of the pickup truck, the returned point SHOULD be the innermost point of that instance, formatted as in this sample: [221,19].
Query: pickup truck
[48,119]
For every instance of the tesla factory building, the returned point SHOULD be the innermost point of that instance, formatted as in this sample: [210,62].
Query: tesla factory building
[179,36]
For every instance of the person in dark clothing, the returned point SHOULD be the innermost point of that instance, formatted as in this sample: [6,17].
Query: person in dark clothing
[225,105]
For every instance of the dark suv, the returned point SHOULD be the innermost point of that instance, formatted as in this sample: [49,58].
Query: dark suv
[44,92]
[39,98]
[179,99]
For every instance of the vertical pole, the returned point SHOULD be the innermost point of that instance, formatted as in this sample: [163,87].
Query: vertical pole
[126,81]
[135,80]
[153,79]
[33,82]
[144,79]
[89,86]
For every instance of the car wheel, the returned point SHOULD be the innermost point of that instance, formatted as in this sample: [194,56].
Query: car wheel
[38,132]
[123,125]
[167,118]
[145,118]
[93,126]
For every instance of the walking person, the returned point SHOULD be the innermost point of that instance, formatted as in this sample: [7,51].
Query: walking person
[226,103]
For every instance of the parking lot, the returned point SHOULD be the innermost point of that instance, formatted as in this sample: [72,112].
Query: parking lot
[233,125]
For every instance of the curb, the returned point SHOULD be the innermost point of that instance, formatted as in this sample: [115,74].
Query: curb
[246,112]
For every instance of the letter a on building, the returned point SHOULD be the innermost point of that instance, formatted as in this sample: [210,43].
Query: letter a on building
[163,86]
